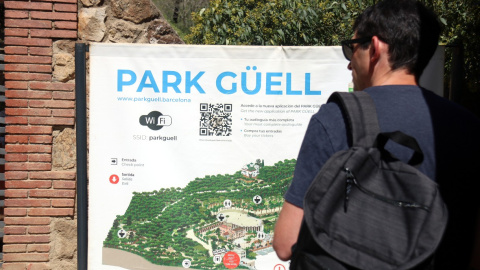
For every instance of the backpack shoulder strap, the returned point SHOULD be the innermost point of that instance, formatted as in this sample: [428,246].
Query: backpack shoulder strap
[361,117]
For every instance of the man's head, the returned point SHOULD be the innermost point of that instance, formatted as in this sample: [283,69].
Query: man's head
[410,30]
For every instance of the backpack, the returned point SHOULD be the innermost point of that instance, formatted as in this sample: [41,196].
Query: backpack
[365,209]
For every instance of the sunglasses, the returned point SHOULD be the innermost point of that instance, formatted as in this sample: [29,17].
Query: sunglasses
[347,46]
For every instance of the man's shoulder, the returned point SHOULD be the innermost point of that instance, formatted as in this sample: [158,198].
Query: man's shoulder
[414,99]
[330,117]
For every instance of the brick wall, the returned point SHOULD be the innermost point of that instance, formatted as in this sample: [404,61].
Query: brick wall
[36,106]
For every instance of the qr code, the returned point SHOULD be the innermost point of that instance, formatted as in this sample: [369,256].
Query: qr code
[215,119]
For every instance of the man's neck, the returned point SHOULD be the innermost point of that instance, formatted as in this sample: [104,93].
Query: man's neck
[394,77]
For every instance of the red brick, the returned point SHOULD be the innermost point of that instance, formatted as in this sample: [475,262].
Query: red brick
[52,193]
[28,76]
[15,84]
[44,42]
[53,33]
[29,130]
[16,103]
[15,230]
[63,112]
[38,248]
[15,266]
[64,95]
[41,139]
[65,7]
[27,221]
[13,32]
[16,158]
[28,203]
[27,5]
[16,193]
[28,148]
[51,212]
[16,138]
[18,14]
[16,67]
[16,175]
[52,86]
[26,94]
[26,257]
[61,16]
[52,104]
[16,120]
[28,112]
[14,248]
[15,50]
[56,121]
[64,184]
[65,25]
[15,212]
[63,203]
[40,158]
[25,23]
[55,175]
[28,184]
[39,230]
[28,59]
[40,68]
[29,68]
[28,166]
[40,51]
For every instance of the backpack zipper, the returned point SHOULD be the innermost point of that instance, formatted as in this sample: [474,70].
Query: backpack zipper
[352,181]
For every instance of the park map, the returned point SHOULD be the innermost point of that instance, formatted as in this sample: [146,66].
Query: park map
[213,217]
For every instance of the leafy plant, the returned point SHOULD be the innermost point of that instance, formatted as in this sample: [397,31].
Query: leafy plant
[327,22]
[462,29]
[178,12]
[274,22]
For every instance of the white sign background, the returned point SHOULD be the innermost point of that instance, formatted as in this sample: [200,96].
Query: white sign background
[115,131]
[130,81]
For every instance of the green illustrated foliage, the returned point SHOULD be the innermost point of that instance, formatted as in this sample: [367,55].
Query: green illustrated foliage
[169,225]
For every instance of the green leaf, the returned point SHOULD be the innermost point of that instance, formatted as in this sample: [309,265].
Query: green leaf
[443,21]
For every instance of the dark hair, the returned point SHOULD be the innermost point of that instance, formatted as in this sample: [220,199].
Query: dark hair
[407,26]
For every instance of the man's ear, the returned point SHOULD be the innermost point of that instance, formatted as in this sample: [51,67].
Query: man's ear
[376,48]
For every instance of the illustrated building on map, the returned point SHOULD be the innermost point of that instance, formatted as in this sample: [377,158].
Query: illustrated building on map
[209,227]
[232,233]
[241,253]
[239,219]
[251,170]
[236,225]
[248,263]
[243,258]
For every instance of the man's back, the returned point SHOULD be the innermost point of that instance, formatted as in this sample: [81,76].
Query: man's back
[456,142]
[449,136]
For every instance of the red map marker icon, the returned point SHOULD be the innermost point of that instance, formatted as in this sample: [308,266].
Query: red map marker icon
[114,179]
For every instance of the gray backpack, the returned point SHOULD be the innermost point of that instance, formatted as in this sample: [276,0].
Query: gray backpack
[366,209]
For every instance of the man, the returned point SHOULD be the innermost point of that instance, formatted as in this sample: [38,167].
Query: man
[393,42]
